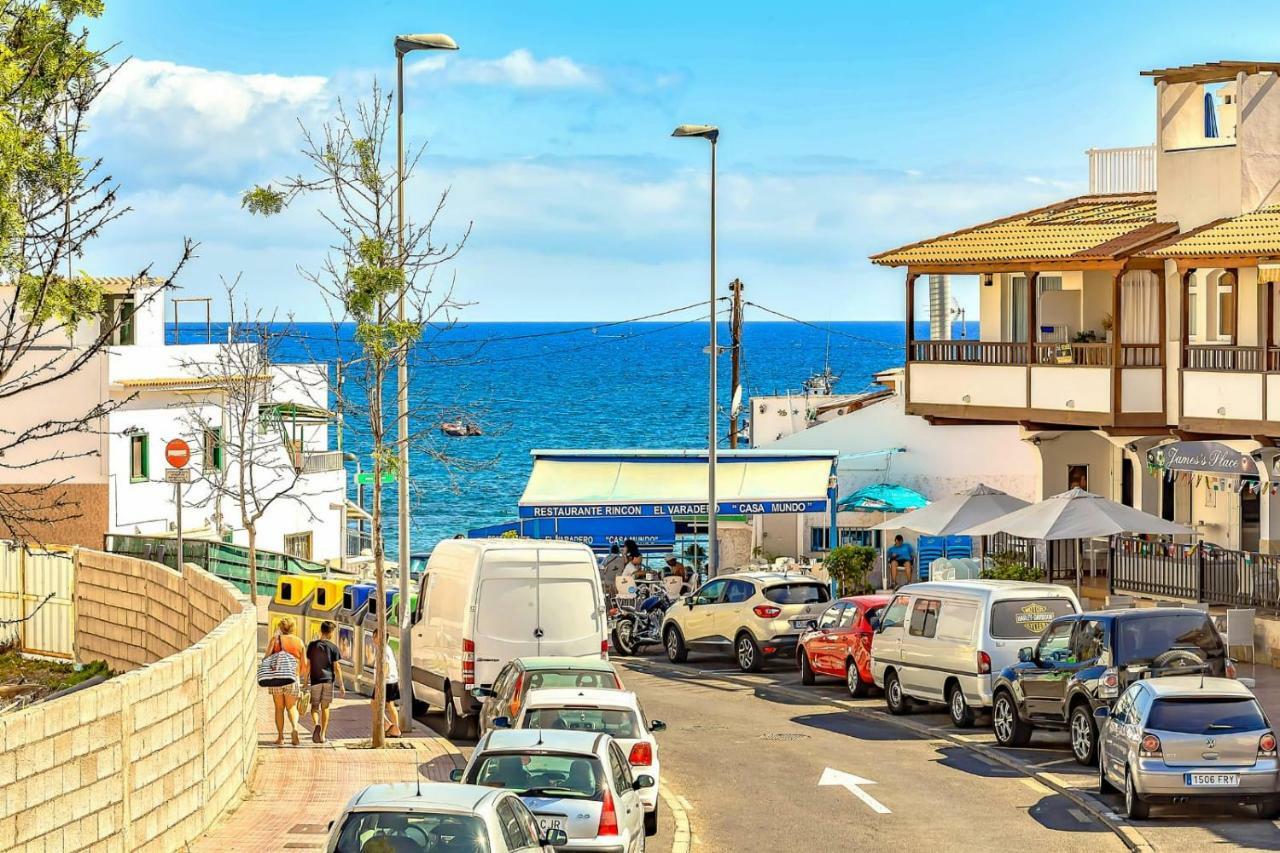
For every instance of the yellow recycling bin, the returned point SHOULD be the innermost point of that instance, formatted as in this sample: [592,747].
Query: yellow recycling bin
[324,605]
[293,595]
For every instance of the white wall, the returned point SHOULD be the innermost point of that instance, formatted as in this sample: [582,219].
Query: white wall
[1237,396]
[1060,450]
[983,384]
[74,456]
[1072,389]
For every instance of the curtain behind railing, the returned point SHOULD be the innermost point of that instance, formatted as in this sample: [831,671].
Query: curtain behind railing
[1140,307]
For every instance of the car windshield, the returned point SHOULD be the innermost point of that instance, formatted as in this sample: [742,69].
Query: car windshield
[616,722]
[547,775]
[1206,716]
[571,678]
[798,593]
[1145,639]
[401,832]
[1026,619]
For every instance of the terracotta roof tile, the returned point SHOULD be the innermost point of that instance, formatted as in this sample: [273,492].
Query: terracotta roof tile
[1256,233]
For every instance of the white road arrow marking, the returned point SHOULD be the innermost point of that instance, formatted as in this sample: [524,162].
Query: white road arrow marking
[854,785]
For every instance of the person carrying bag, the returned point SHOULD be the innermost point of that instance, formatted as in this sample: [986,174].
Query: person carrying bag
[281,671]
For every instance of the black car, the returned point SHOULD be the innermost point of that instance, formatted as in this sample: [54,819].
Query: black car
[1086,660]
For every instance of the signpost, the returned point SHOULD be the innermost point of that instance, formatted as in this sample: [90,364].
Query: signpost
[177,453]
[365,478]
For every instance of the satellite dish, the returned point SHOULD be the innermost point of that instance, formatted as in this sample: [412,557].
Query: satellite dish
[735,407]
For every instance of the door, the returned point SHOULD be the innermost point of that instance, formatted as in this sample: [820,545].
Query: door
[1044,683]
[822,646]
[728,616]
[571,619]
[922,658]
[498,704]
[698,623]
[886,647]
[505,612]
[630,808]
[1113,742]
[1250,516]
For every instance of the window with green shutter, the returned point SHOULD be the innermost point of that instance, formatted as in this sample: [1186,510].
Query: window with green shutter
[139,467]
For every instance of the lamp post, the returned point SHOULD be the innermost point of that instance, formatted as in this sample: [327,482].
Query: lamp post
[710,133]
[406,44]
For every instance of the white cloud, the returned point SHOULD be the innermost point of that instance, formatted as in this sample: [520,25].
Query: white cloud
[519,69]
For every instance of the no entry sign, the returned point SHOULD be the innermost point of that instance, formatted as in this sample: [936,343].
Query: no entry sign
[177,453]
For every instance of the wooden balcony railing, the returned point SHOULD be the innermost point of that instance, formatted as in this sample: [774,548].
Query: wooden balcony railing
[1085,355]
[1006,353]
[1141,355]
[968,352]
[1273,359]
[1243,359]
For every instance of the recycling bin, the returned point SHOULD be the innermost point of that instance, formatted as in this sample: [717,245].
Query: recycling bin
[324,605]
[292,597]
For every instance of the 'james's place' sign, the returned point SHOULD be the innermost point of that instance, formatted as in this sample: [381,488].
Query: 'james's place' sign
[673,509]
[1209,457]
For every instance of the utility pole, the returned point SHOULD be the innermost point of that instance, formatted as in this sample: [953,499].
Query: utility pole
[735,332]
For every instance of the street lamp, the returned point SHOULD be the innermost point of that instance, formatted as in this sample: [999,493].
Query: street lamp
[406,44]
[710,133]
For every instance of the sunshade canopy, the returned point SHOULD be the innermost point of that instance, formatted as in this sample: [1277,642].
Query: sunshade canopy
[884,497]
[639,483]
[1076,514]
[650,534]
[956,513]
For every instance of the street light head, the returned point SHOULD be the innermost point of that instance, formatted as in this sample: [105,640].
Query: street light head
[705,131]
[424,41]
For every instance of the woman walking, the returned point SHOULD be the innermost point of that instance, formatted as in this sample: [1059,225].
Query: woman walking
[285,697]
[391,673]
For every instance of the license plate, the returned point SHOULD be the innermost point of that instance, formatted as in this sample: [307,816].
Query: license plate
[1201,780]
[545,823]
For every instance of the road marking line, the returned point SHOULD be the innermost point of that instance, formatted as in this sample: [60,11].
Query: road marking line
[684,802]
[1080,816]
[1036,786]
[1080,782]
[853,784]
[682,837]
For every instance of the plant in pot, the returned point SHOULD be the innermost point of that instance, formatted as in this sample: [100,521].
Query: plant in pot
[849,566]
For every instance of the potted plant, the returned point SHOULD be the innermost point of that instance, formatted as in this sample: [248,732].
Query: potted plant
[849,566]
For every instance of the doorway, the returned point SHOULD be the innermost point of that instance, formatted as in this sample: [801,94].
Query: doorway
[1250,515]
[1126,482]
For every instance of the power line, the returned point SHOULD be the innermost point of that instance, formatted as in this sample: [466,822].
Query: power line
[590,328]
[828,330]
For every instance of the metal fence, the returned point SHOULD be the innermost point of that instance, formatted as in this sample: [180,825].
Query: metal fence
[1200,572]
[222,559]
[1056,558]
[37,608]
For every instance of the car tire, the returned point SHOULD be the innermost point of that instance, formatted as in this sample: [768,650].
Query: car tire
[958,708]
[674,644]
[747,651]
[1104,786]
[1010,729]
[420,708]
[806,670]
[1270,809]
[456,726]
[894,699]
[1134,807]
[651,822]
[1084,735]
[853,681]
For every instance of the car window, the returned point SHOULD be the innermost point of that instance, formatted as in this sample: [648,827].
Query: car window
[1088,640]
[513,831]
[561,776]
[710,592]
[1125,707]
[570,678]
[409,831]
[957,619]
[621,776]
[895,614]
[528,821]
[502,684]
[1055,645]
[1026,619]
[847,615]
[924,617]
[831,617]
[739,591]
[1206,716]
[1144,639]
[798,593]
[615,722]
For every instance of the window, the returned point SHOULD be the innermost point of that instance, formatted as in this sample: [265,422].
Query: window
[1227,307]
[120,310]
[798,593]
[404,830]
[620,768]
[1088,641]
[924,617]
[1217,716]
[513,829]
[1125,707]
[1026,619]
[213,448]
[298,545]
[957,620]
[139,466]
[1055,645]
[847,616]
[615,722]
[739,591]
[831,617]
[562,776]
[1193,311]
[710,593]
[1142,640]
[895,614]
[591,678]
[820,537]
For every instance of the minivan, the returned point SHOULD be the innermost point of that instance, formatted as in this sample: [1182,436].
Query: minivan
[941,641]
[485,602]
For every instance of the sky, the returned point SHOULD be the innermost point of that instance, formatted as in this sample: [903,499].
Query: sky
[846,129]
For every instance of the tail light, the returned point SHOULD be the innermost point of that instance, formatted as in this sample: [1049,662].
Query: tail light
[1109,684]
[1150,746]
[608,816]
[984,663]
[1231,668]
[604,649]
[514,705]
[1267,746]
[866,641]
[468,663]
[642,753]
[766,611]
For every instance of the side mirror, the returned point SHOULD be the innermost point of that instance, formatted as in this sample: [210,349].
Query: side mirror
[1026,654]
[643,781]
[657,726]
[554,838]
[455,775]
[502,722]
[483,692]
[1102,713]
[689,602]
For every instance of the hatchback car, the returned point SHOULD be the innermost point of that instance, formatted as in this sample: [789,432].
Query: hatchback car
[521,675]
[1188,739]
[838,643]
[578,782]
[436,817]
[746,615]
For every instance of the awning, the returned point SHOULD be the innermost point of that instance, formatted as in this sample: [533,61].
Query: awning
[650,533]
[299,412]
[641,483]
[884,497]
[1204,457]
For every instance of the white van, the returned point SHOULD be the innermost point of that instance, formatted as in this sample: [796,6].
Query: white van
[485,602]
[941,641]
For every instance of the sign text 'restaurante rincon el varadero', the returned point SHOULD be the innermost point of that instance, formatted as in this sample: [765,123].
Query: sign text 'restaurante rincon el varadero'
[672,509]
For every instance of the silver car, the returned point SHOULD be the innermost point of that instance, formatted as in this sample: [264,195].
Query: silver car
[1185,738]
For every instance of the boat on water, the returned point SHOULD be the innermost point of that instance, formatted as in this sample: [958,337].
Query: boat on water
[460,429]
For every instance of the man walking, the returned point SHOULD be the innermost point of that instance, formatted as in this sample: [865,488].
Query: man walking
[324,660]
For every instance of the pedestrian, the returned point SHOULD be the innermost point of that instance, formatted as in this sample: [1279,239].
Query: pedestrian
[610,569]
[285,698]
[630,549]
[324,662]
[901,559]
[391,675]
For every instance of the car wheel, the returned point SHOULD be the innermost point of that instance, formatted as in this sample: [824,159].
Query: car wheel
[1134,807]
[961,713]
[1010,729]
[852,680]
[1270,809]
[456,726]
[420,708]
[806,671]
[896,701]
[749,658]
[651,822]
[1084,735]
[1104,786]
[676,651]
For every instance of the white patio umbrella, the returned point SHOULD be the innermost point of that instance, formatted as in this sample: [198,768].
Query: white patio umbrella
[957,513]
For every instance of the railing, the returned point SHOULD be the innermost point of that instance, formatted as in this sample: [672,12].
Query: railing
[1200,572]
[1122,170]
[968,352]
[1273,359]
[1085,355]
[358,541]
[1215,357]
[1141,355]
[227,561]
[315,463]
[1057,558]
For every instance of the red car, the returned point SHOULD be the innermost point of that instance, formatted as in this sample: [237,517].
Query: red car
[839,644]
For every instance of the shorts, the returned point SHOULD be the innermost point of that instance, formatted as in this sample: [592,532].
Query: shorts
[285,690]
[322,694]
[393,691]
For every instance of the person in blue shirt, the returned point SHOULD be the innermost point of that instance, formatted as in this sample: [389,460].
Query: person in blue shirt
[901,559]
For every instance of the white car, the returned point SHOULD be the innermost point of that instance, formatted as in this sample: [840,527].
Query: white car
[616,713]
[577,782]
[435,817]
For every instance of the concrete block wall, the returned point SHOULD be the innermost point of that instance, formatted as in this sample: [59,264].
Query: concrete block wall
[152,757]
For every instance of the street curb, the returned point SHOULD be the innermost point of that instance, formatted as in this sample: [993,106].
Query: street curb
[682,837]
[1126,832]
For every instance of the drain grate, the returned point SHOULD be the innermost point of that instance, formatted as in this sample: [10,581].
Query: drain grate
[784,736]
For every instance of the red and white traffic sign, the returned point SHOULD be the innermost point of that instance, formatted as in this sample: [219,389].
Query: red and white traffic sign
[177,453]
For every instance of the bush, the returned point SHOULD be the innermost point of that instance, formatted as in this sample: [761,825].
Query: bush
[849,566]
[1008,566]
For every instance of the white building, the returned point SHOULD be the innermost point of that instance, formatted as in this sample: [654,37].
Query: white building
[153,393]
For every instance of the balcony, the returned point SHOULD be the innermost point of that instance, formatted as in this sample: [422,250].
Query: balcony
[307,462]
[1230,389]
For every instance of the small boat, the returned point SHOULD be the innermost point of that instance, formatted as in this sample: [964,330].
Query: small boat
[460,429]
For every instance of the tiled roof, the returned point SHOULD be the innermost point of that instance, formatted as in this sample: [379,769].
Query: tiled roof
[189,382]
[1209,72]
[1095,227]
[1256,233]
[118,283]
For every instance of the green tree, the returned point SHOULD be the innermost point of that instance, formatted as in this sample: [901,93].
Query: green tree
[849,566]
[1009,566]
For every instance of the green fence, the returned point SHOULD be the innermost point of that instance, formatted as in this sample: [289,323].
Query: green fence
[230,562]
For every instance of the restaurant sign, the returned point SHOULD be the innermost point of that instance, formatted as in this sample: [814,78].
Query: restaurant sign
[1205,457]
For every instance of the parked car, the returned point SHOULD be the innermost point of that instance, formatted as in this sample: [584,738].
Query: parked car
[1084,661]
[485,602]
[745,614]
[941,641]
[435,817]
[838,642]
[578,782]
[517,678]
[616,713]
[1188,739]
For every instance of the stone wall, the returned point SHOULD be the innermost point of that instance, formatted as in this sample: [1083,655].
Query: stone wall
[151,758]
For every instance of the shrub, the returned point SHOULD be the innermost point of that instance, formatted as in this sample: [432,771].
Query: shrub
[849,566]
[1008,566]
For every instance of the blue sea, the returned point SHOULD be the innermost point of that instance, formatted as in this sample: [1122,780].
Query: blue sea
[571,385]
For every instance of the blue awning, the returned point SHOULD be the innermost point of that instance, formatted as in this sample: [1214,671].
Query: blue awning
[884,497]
[650,533]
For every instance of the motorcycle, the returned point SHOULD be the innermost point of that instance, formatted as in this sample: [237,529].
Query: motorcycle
[639,626]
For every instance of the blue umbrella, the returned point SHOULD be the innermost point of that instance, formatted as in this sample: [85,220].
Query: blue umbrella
[1210,117]
[884,497]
